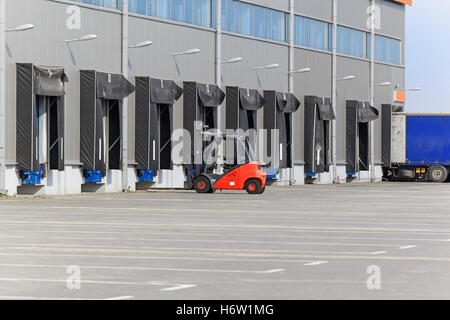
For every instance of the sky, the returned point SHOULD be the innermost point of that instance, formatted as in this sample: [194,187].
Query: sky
[427,55]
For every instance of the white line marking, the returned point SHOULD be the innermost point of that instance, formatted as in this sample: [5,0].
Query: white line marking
[140,268]
[146,283]
[316,263]
[179,287]
[120,298]
[273,271]
[218,241]
[378,252]
[407,247]
[166,258]
[46,298]
[38,245]
[168,233]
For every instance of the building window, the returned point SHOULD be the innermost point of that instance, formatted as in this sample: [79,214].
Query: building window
[386,49]
[312,33]
[229,14]
[177,10]
[199,12]
[163,9]
[258,25]
[237,17]
[188,11]
[113,4]
[141,6]
[253,20]
[247,19]
[267,23]
[151,6]
[350,42]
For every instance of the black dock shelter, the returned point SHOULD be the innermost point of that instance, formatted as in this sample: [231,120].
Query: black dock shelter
[278,110]
[318,116]
[242,107]
[358,116]
[40,120]
[200,104]
[101,98]
[155,99]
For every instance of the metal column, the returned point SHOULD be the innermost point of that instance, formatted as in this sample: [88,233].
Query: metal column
[125,180]
[334,91]
[372,89]
[291,83]
[219,78]
[2,96]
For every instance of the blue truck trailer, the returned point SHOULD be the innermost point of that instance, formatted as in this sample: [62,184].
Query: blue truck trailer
[415,146]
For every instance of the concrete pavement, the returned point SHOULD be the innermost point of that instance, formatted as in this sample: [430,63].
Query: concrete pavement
[353,241]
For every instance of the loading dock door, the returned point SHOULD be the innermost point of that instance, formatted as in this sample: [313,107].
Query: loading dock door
[242,114]
[101,96]
[200,107]
[318,117]
[359,114]
[154,122]
[55,112]
[278,110]
[40,117]
[114,134]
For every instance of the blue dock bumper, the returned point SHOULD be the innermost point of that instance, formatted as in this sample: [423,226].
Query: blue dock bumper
[146,175]
[94,176]
[272,173]
[32,177]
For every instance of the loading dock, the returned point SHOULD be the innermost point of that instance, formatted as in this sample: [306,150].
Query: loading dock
[101,98]
[278,110]
[358,116]
[242,107]
[155,99]
[318,116]
[200,113]
[40,121]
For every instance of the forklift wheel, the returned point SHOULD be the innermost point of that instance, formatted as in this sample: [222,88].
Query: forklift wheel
[202,185]
[252,187]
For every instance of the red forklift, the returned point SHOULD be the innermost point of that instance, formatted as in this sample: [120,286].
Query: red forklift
[250,176]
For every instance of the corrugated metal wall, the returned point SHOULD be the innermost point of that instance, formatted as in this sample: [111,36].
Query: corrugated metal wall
[45,46]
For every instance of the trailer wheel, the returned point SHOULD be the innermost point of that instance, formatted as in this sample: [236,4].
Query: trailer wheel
[252,187]
[437,174]
[202,185]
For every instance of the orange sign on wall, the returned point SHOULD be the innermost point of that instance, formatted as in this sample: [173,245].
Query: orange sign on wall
[400,96]
[409,2]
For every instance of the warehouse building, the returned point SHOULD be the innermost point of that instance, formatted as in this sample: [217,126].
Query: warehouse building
[92,90]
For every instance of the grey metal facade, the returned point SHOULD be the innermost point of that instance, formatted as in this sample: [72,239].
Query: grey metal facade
[45,45]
